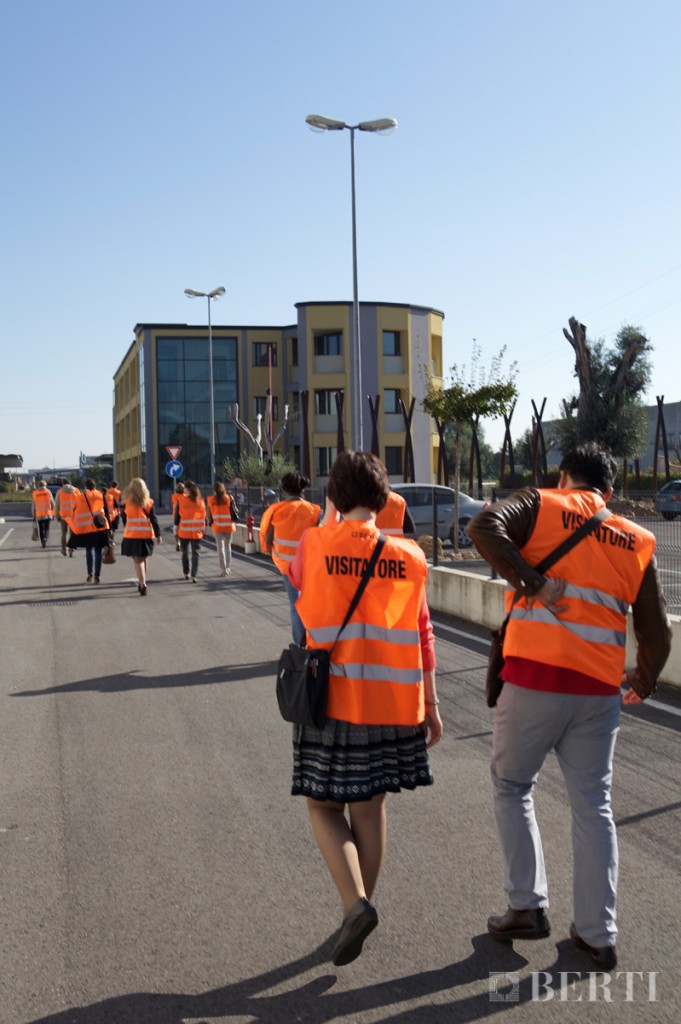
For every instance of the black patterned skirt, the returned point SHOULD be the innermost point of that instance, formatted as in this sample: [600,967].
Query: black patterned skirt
[346,763]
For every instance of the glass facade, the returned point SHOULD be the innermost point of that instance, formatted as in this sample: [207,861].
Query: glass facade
[183,396]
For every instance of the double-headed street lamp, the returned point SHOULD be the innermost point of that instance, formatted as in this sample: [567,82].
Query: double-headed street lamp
[215,294]
[381,126]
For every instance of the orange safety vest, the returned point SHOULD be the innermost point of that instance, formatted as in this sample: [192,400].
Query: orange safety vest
[42,501]
[192,518]
[67,503]
[376,672]
[603,574]
[390,520]
[290,519]
[137,523]
[222,515]
[113,494]
[81,521]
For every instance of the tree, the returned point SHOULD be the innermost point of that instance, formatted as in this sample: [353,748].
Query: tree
[258,472]
[608,408]
[479,394]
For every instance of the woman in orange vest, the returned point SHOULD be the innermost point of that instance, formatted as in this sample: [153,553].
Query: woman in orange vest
[112,496]
[222,516]
[90,528]
[174,498]
[382,707]
[190,519]
[64,507]
[43,510]
[281,527]
[140,529]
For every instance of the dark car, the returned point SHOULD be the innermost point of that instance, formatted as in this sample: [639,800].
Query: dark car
[668,500]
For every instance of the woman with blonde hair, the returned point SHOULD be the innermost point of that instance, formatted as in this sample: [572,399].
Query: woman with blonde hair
[222,516]
[141,529]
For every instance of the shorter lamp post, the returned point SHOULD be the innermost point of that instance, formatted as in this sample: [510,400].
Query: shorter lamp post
[215,294]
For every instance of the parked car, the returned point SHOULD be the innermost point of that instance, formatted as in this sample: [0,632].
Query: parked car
[668,500]
[419,499]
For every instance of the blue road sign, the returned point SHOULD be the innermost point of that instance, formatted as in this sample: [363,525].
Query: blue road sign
[174,468]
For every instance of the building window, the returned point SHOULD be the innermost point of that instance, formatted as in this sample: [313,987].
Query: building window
[325,401]
[391,343]
[294,351]
[261,353]
[325,458]
[392,400]
[260,406]
[328,345]
[393,460]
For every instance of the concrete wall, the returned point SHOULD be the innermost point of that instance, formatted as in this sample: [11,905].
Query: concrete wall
[479,599]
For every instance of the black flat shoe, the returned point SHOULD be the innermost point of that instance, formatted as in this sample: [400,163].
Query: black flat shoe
[520,924]
[361,920]
[143,590]
[604,957]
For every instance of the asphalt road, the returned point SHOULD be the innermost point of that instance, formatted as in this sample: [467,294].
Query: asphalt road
[155,870]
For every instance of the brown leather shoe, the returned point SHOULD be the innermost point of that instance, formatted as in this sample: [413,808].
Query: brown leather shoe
[520,924]
[604,957]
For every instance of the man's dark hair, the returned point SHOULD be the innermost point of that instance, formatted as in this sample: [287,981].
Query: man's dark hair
[590,464]
[295,483]
[358,478]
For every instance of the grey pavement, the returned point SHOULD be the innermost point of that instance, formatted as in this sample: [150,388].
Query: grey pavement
[155,870]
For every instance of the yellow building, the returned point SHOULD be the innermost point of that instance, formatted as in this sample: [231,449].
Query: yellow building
[162,392]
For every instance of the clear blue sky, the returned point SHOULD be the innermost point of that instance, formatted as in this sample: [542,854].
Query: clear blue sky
[155,145]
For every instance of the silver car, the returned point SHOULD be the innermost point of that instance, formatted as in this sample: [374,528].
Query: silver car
[419,499]
[668,500]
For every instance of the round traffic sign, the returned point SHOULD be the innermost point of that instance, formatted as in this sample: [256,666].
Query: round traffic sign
[174,468]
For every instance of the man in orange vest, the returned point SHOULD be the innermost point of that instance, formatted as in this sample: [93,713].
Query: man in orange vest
[281,527]
[394,520]
[43,510]
[64,507]
[564,653]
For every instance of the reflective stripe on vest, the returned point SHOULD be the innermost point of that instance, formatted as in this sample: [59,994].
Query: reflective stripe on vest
[376,674]
[603,575]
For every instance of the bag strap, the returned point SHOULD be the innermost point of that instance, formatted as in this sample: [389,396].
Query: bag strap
[361,587]
[568,544]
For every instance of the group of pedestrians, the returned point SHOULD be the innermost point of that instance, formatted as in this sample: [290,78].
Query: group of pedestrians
[192,516]
[563,673]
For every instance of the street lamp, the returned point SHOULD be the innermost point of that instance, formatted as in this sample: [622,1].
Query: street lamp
[215,294]
[381,126]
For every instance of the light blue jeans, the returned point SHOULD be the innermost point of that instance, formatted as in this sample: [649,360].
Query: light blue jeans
[582,732]
[297,627]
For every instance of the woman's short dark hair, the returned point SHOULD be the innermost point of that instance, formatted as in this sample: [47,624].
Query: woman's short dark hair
[590,464]
[358,478]
[295,483]
[89,485]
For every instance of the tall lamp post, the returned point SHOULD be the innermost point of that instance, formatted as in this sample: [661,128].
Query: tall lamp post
[215,294]
[381,126]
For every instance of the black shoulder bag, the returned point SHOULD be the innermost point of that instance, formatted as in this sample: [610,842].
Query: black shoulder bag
[493,680]
[303,673]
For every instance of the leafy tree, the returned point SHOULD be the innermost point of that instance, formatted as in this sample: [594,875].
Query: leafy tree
[608,408]
[258,472]
[468,396]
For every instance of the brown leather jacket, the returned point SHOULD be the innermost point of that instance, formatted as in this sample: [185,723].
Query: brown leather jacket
[503,528]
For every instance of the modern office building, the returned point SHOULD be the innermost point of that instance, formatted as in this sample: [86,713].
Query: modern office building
[162,391]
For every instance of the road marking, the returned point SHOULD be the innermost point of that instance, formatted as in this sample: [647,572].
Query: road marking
[481,639]
[3,539]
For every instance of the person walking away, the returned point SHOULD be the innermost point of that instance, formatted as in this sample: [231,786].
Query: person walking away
[382,704]
[43,510]
[174,498]
[564,654]
[394,520]
[281,527]
[190,519]
[64,507]
[90,528]
[222,516]
[140,529]
[113,503]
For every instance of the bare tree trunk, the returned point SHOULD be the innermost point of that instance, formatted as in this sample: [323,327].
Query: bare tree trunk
[457,486]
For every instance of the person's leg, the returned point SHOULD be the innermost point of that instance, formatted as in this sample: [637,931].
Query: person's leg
[228,552]
[196,547]
[184,545]
[526,726]
[64,528]
[43,527]
[220,548]
[368,824]
[97,551]
[137,562]
[337,846]
[89,560]
[585,754]
[297,627]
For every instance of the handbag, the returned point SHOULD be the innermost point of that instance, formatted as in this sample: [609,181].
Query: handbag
[495,662]
[109,553]
[303,673]
[35,533]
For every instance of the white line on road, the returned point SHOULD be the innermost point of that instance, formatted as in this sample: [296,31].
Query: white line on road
[3,539]
[481,639]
